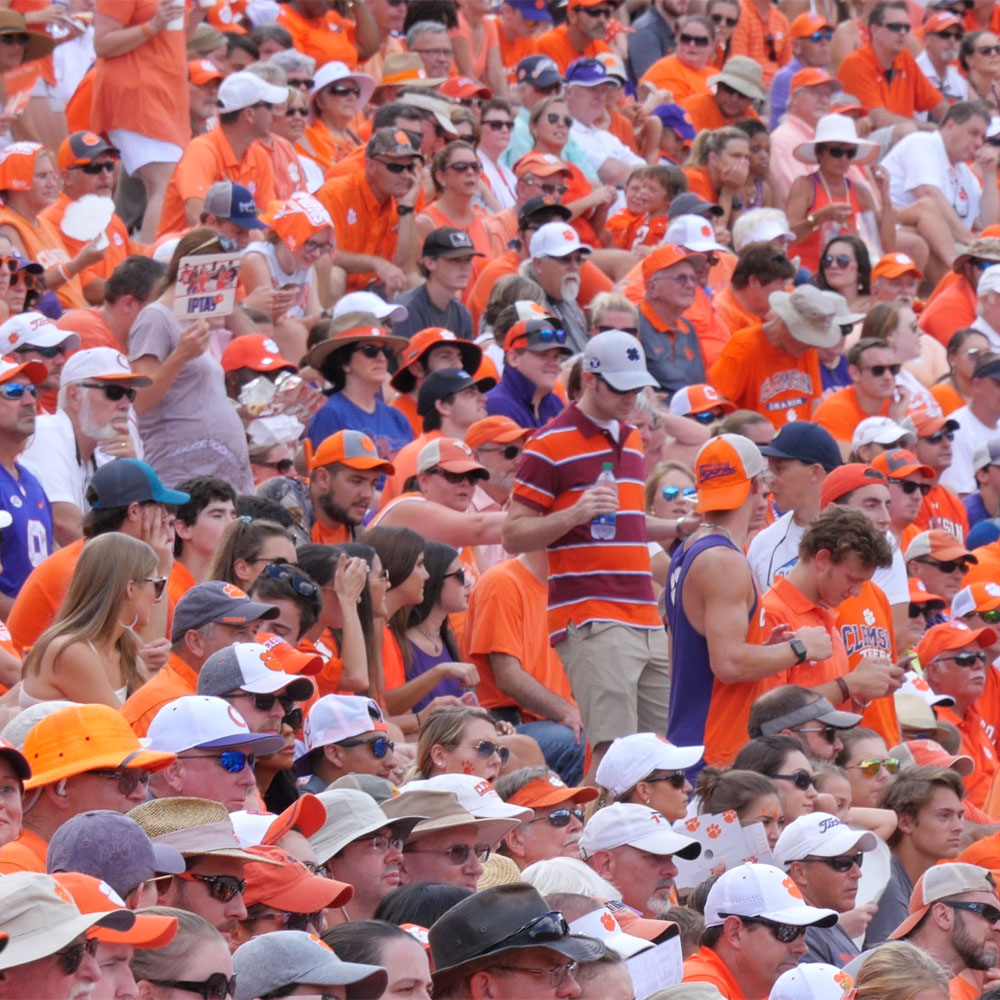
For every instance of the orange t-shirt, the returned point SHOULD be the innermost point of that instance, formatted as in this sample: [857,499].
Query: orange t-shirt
[630,229]
[207,159]
[180,581]
[513,51]
[393,668]
[987,570]
[669,73]
[946,396]
[705,966]
[285,169]
[750,38]
[407,405]
[755,375]
[92,327]
[177,679]
[79,105]
[508,613]
[951,308]
[555,44]
[700,183]
[327,681]
[321,534]
[144,90]
[330,38]
[977,744]
[840,413]
[942,510]
[44,243]
[861,74]
[713,334]
[705,114]
[865,624]
[733,314]
[25,854]
[962,989]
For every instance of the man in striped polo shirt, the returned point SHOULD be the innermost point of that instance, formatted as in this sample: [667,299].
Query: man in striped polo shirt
[603,618]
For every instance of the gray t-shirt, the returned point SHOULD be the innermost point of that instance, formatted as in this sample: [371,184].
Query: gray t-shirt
[422,313]
[893,907]
[829,944]
[195,430]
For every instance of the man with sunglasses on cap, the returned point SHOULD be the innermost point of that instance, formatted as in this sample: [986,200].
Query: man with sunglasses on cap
[93,426]
[83,757]
[294,594]
[214,749]
[823,857]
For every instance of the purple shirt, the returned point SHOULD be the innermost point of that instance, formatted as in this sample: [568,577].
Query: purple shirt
[512,398]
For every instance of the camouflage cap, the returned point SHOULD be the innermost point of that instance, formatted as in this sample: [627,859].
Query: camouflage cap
[392,142]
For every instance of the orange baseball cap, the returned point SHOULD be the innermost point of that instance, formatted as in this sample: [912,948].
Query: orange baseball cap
[954,634]
[895,265]
[805,24]
[698,398]
[724,469]
[451,455]
[919,594]
[17,165]
[459,87]
[540,164]
[34,371]
[202,71]
[86,738]
[930,753]
[287,884]
[976,597]
[350,448]
[83,147]
[846,479]
[646,928]
[899,463]
[298,219]
[551,791]
[812,76]
[937,544]
[940,20]
[93,895]
[290,659]
[420,343]
[925,425]
[256,352]
[665,256]
[499,428]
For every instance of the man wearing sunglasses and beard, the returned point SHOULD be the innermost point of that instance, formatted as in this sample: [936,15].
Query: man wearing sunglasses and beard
[823,857]
[93,426]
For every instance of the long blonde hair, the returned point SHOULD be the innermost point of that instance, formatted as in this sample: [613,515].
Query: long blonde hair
[897,970]
[444,728]
[93,604]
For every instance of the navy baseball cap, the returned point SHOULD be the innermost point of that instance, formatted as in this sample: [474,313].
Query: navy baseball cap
[586,72]
[226,200]
[805,442]
[539,71]
[675,117]
[127,480]
[531,10]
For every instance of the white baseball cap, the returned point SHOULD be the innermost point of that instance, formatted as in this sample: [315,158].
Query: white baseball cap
[629,759]
[104,363]
[819,835]
[812,981]
[243,90]
[556,239]
[337,717]
[693,232]
[626,823]
[619,359]
[600,923]
[33,329]
[475,794]
[197,720]
[249,666]
[765,231]
[754,890]
[914,684]
[881,430]
[369,302]
[989,280]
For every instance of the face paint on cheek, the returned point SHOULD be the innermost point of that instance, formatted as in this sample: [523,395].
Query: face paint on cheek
[467,767]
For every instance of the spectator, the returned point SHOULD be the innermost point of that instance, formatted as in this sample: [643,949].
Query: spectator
[783,760]
[810,35]
[784,710]
[324,35]
[30,336]
[891,971]
[654,35]
[497,121]
[845,268]
[377,942]
[430,40]
[941,508]
[582,34]
[556,258]
[942,37]
[760,270]
[247,547]
[685,72]
[337,99]
[941,562]
[517,23]
[204,78]
[736,89]
[955,307]
[296,596]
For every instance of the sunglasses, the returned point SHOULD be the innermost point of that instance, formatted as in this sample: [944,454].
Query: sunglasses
[879,370]
[987,911]
[455,478]
[990,617]
[981,265]
[465,166]
[112,391]
[843,863]
[673,492]
[283,466]
[553,119]
[233,761]
[917,611]
[96,168]
[823,35]
[25,278]
[265,702]
[549,926]
[224,888]
[374,350]
[829,733]
[16,390]
[699,41]
[785,933]
[380,746]
[772,53]
[509,451]
[678,779]
[841,260]
[965,659]
[613,390]
[459,575]
[291,112]
[634,330]
[839,152]
[989,50]
[71,957]
[706,416]
[301,84]
[344,90]
[560,817]
[543,331]
[301,586]
[552,189]
[129,779]
[458,854]
[801,779]
[897,27]
[729,22]
[399,168]
[870,767]
[216,987]
[46,352]
[940,436]
[498,124]
[485,749]
[947,567]
[955,36]
[909,487]
[596,12]
[12,39]
[159,585]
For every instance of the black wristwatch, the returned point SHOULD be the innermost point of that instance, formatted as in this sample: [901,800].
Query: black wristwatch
[799,649]
[404,209]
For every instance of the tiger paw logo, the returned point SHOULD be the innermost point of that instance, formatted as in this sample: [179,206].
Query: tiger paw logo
[608,923]
[692,825]
[231,590]
[792,888]
[714,831]
[869,616]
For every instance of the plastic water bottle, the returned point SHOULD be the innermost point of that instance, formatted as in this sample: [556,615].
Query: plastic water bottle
[603,526]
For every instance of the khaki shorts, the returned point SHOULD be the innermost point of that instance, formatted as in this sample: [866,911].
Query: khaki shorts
[620,678]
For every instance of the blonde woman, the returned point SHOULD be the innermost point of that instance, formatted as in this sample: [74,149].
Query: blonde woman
[460,741]
[90,653]
[897,970]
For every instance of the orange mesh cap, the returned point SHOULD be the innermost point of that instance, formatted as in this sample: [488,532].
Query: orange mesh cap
[724,471]
[85,738]
[298,219]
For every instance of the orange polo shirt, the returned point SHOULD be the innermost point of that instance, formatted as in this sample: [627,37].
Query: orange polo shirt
[705,966]
[705,114]
[177,679]
[862,74]
[669,73]
[26,854]
[555,44]
[207,159]
[976,744]
[330,38]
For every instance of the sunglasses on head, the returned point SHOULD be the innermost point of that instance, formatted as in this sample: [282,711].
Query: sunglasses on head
[46,352]
[560,817]
[699,41]
[879,370]
[380,746]
[729,22]
[785,933]
[108,166]
[301,586]
[964,659]
[801,779]
[940,436]
[673,492]
[872,765]
[842,863]
[485,749]
[554,119]
[909,487]
[455,478]
[216,987]
[374,350]
[71,957]
[549,926]
[840,260]
[946,567]
[112,390]
[16,390]
[987,911]
[224,888]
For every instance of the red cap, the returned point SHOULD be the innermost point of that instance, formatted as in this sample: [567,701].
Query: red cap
[290,659]
[350,448]
[811,76]
[919,594]
[950,635]
[846,479]
[895,265]
[663,257]
[805,24]
[257,352]
[900,463]
[287,884]
[501,429]
[940,20]
[551,791]
[925,425]
[539,164]
[202,71]
[459,87]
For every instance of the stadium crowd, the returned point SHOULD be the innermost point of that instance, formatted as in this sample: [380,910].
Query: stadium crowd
[500,499]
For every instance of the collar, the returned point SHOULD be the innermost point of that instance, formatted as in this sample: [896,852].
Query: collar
[575,417]
[183,671]
[798,601]
[659,324]
[520,386]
